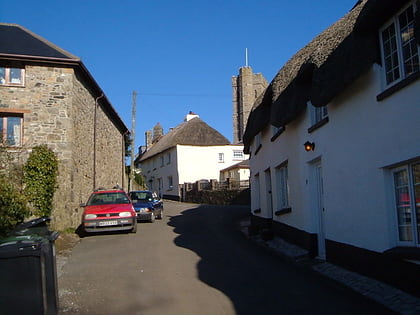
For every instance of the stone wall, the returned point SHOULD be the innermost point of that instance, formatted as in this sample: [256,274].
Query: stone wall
[59,110]
[246,87]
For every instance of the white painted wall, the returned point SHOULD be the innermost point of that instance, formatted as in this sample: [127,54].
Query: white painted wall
[188,164]
[362,138]
[195,163]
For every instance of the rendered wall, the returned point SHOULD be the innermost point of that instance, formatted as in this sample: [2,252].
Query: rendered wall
[361,140]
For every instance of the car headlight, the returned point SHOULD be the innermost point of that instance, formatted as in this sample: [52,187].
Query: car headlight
[126,214]
[90,216]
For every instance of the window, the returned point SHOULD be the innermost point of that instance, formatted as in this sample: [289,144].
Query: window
[282,186]
[400,53]
[169,158]
[221,157]
[162,161]
[407,202]
[319,116]
[276,131]
[170,182]
[11,76]
[238,155]
[11,127]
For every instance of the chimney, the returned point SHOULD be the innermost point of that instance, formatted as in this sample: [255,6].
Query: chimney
[190,116]
[148,136]
[157,132]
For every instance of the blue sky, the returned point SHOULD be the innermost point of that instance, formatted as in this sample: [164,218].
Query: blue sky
[178,55]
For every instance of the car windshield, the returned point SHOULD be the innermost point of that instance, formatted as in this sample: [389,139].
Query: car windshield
[108,198]
[141,195]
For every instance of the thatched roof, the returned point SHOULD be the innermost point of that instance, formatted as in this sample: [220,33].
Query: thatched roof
[324,67]
[194,132]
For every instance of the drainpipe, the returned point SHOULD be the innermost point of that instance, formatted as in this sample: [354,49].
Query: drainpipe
[123,160]
[94,139]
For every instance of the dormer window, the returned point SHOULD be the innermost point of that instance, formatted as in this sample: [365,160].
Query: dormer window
[400,52]
[319,116]
[12,76]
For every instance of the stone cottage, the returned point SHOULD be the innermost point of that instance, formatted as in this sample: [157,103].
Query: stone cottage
[47,96]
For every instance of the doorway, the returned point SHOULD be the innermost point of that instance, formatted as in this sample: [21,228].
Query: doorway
[320,207]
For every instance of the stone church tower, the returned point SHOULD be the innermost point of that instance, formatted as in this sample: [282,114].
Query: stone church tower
[245,89]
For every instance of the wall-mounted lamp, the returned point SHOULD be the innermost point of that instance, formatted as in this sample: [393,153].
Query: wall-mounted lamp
[309,146]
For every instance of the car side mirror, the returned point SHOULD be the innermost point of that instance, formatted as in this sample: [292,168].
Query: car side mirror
[82,205]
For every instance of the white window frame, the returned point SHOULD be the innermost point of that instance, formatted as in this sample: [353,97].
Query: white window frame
[409,228]
[221,157]
[170,183]
[238,155]
[282,186]
[318,114]
[6,78]
[393,61]
[17,134]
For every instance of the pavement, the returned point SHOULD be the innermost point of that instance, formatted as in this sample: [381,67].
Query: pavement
[391,297]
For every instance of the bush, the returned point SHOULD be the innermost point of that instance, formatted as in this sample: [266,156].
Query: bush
[13,207]
[40,178]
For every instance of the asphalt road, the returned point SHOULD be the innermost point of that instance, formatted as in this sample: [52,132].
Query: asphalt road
[195,261]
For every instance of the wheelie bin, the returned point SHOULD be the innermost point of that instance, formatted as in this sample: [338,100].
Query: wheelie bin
[28,274]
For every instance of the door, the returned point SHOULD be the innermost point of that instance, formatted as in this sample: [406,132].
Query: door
[319,191]
[269,195]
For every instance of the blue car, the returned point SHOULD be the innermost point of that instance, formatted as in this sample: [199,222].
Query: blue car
[147,205]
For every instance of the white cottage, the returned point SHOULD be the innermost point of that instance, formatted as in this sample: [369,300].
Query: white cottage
[190,152]
[334,145]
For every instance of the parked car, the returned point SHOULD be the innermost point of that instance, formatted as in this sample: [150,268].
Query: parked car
[147,205]
[109,210]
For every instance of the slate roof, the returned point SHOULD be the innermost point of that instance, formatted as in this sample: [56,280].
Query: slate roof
[16,40]
[17,44]
[324,67]
[194,132]
[242,165]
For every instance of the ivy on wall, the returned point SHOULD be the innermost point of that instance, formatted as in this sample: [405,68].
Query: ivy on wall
[40,179]
[13,206]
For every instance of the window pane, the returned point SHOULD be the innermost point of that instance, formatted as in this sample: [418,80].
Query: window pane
[416,182]
[13,131]
[16,75]
[2,75]
[402,200]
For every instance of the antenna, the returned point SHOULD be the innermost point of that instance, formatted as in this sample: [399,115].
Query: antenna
[246,57]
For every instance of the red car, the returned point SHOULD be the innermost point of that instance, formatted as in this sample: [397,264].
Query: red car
[109,210]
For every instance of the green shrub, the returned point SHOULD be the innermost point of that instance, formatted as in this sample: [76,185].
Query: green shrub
[40,178]
[13,207]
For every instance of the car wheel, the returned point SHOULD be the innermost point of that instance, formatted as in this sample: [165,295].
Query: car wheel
[152,217]
[134,230]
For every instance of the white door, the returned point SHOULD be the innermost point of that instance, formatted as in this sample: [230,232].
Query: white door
[319,189]
[269,195]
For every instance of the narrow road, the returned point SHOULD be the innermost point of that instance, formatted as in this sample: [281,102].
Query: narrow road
[194,261]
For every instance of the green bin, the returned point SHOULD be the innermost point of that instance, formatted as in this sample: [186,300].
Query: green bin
[28,274]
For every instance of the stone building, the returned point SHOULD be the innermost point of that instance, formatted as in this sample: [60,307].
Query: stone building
[47,96]
[245,89]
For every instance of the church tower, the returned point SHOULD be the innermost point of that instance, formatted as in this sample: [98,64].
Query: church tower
[245,89]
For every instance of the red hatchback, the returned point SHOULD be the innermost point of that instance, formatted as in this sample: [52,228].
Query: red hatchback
[109,210]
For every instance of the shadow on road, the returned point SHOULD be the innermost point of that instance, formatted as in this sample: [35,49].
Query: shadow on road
[257,282]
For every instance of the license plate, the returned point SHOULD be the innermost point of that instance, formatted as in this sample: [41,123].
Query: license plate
[107,223]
